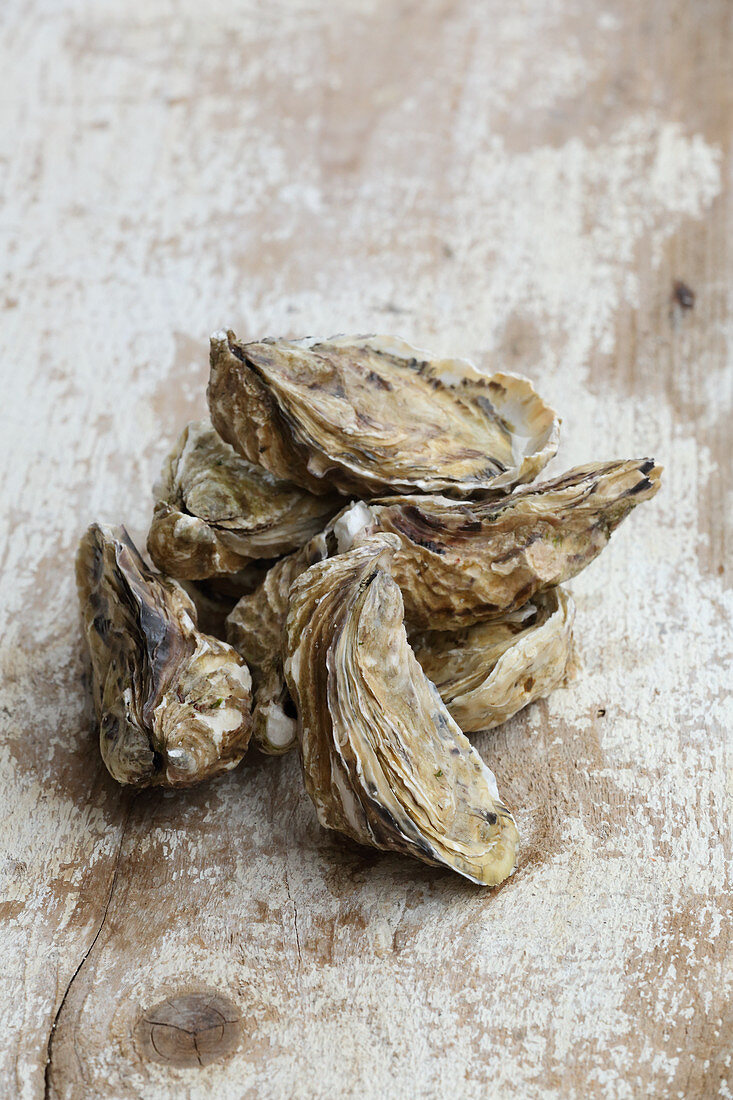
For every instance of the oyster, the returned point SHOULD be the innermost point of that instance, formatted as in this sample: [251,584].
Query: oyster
[488,671]
[211,608]
[256,629]
[216,512]
[461,562]
[215,597]
[457,564]
[173,704]
[383,760]
[371,414]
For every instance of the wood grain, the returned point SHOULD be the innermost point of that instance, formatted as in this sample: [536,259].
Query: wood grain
[520,183]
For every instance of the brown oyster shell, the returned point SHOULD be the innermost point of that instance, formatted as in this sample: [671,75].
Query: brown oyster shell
[256,629]
[462,562]
[215,511]
[371,414]
[215,597]
[487,672]
[173,704]
[383,760]
[541,535]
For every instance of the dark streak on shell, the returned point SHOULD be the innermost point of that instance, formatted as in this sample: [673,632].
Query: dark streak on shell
[460,563]
[366,415]
[173,704]
[486,560]
[383,760]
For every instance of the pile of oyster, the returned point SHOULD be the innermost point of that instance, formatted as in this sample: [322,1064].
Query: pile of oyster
[361,523]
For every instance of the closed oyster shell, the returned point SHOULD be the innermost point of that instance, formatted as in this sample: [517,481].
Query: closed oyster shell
[173,704]
[383,760]
[216,512]
[488,671]
[371,414]
[462,562]
[256,629]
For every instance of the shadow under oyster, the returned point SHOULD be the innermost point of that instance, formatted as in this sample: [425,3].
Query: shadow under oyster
[383,760]
[370,415]
[173,704]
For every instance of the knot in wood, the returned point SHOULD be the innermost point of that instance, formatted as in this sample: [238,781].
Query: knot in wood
[190,1030]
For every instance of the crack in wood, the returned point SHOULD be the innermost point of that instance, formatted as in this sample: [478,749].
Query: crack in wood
[47,1091]
[295,915]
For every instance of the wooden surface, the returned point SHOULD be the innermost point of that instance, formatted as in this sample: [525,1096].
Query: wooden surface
[522,183]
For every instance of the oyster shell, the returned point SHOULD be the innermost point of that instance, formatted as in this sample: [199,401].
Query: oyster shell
[215,597]
[256,629]
[461,562]
[383,760]
[457,564]
[488,671]
[216,512]
[173,704]
[371,414]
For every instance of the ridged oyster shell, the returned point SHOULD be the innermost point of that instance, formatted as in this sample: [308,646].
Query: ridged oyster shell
[256,629]
[461,562]
[215,597]
[485,673]
[216,511]
[541,535]
[383,760]
[371,414]
[173,704]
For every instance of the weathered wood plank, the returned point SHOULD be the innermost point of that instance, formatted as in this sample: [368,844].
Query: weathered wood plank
[526,181]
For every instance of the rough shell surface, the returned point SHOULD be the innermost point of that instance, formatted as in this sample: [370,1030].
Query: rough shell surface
[371,414]
[383,760]
[457,563]
[173,704]
[485,673]
[215,597]
[256,629]
[461,562]
[215,511]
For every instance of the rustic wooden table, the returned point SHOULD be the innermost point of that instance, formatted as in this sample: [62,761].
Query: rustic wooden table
[522,183]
